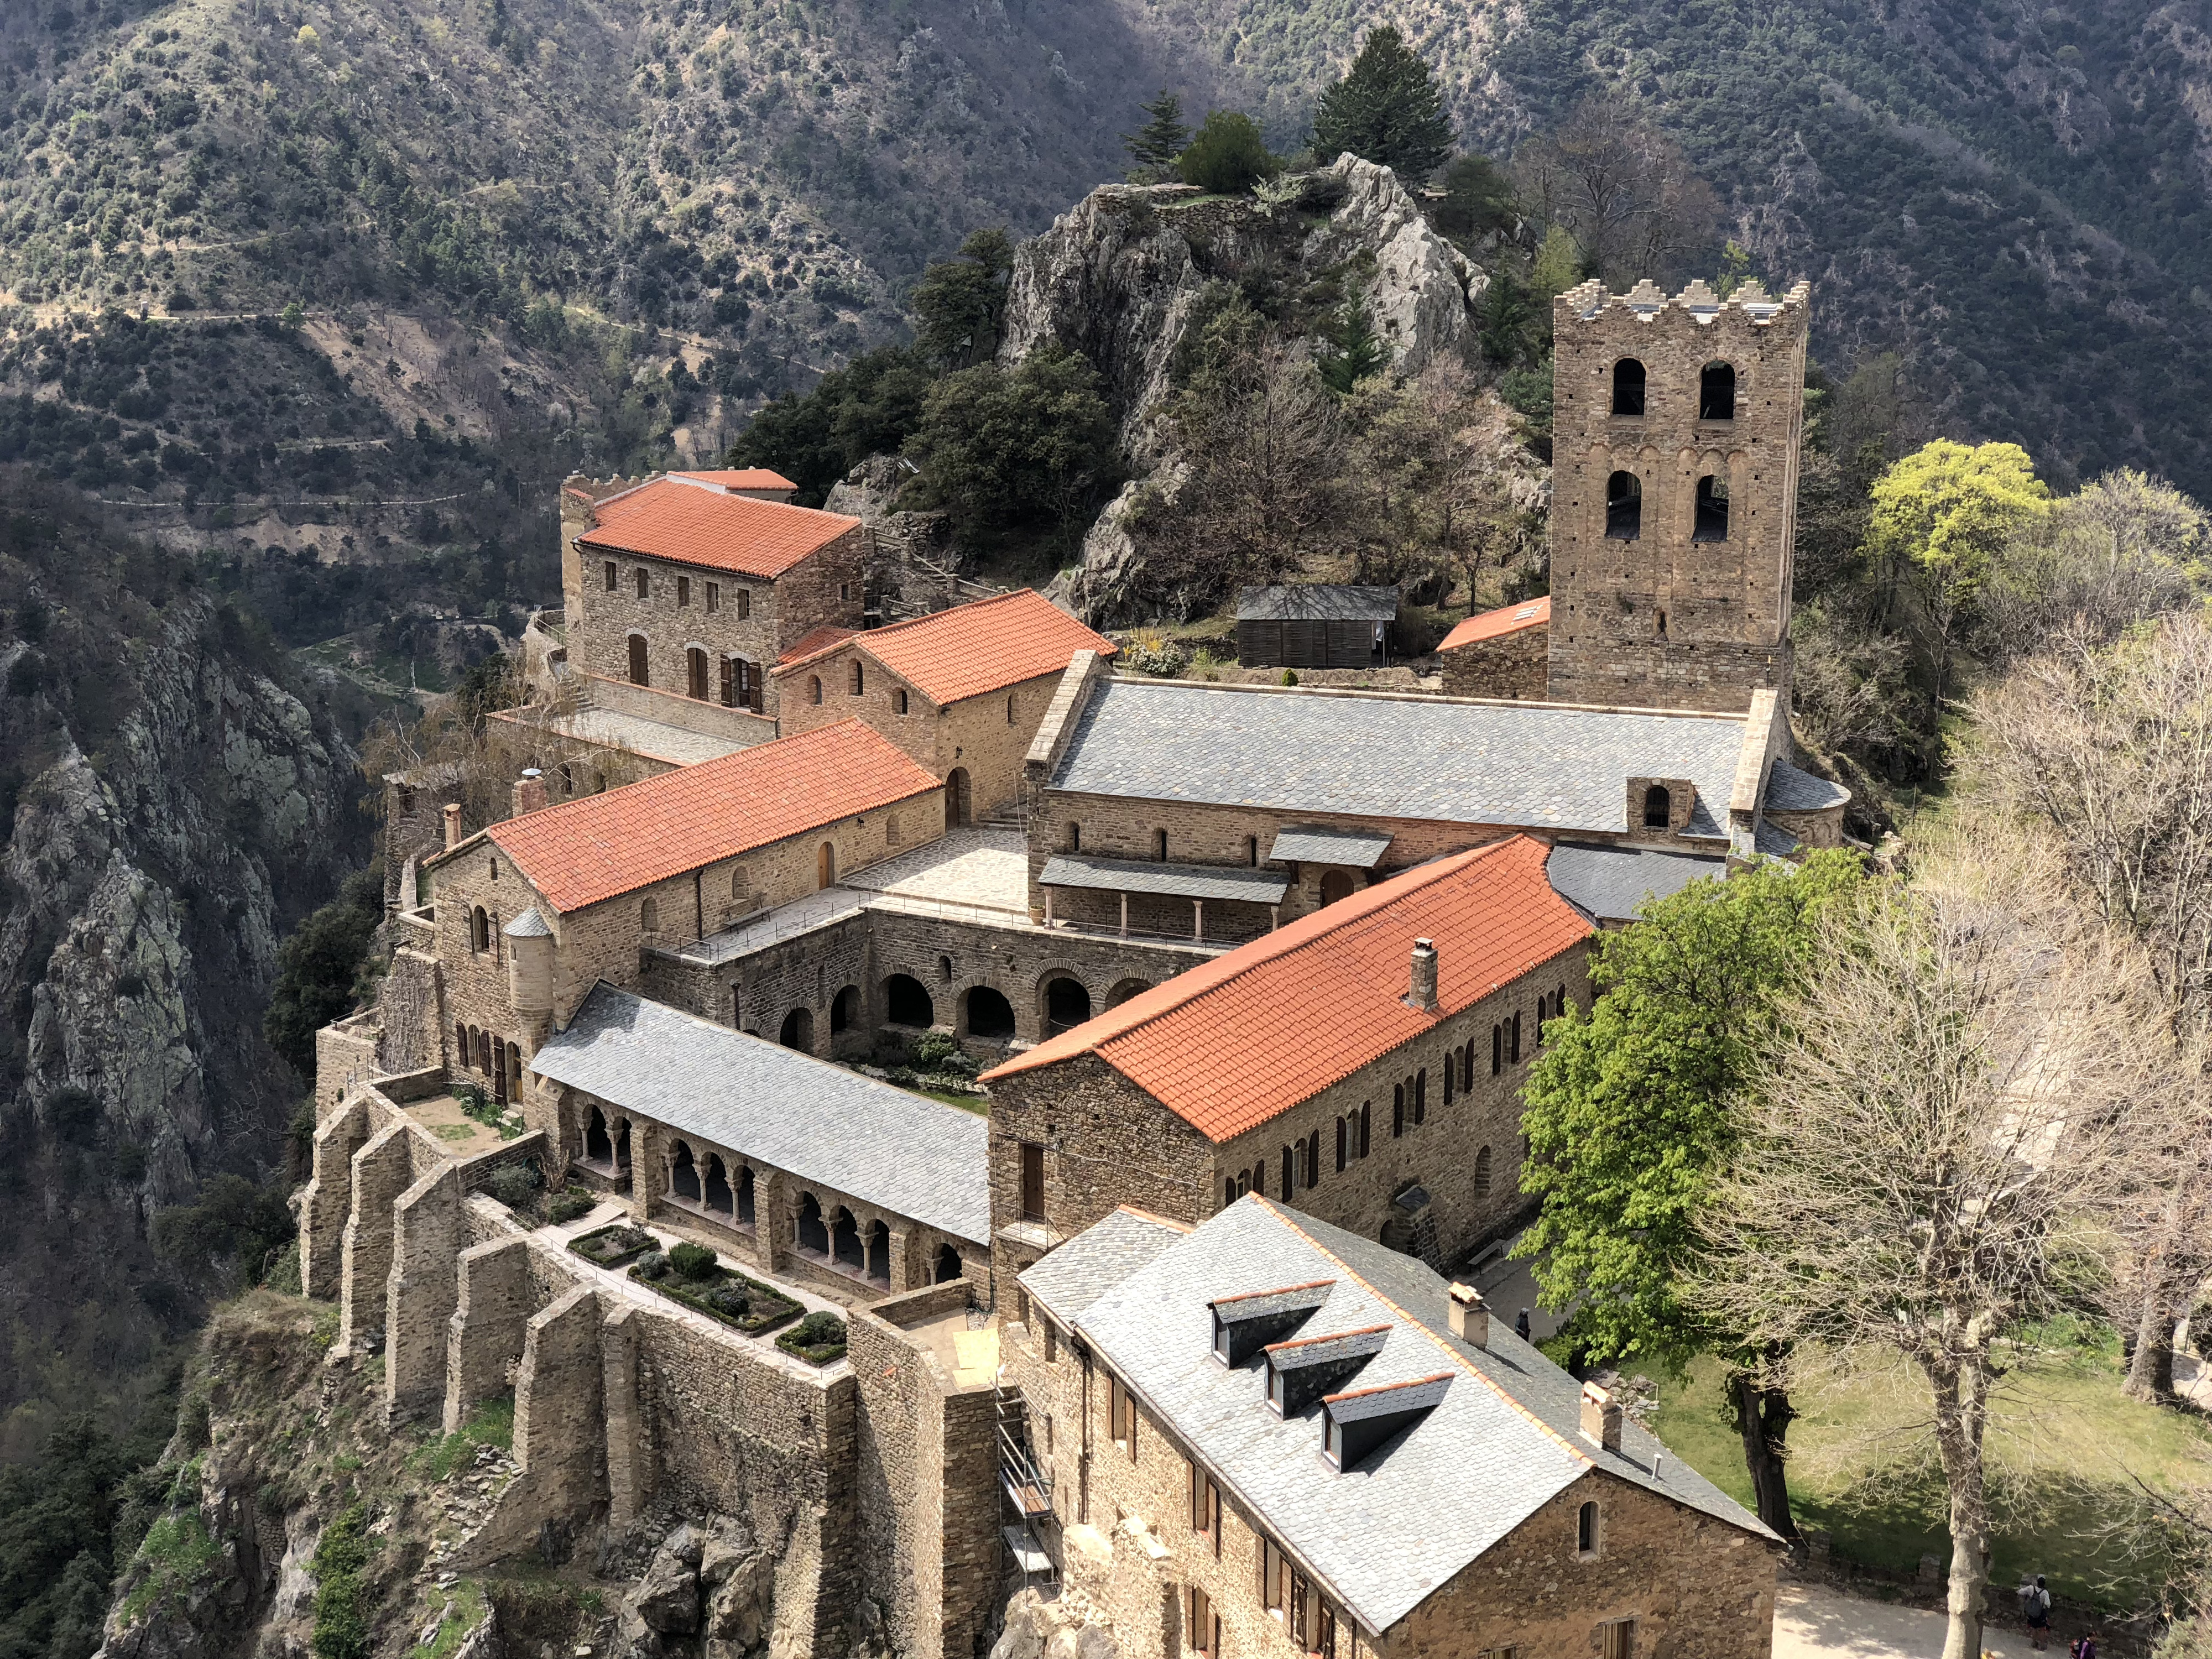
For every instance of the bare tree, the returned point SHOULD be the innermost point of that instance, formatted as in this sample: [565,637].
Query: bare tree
[1930,1139]
[1621,188]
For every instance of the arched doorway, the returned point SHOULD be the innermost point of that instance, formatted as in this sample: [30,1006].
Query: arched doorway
[1125,989]
[599,1146]
[845,1241]
[990,1016]
[843,1008]
[812,1235]
[799,1030]
[1066,1005]
[906,1002]
[956,802]
[879,1253]
[744,1195]
[719,1199]
[825,866]
[948,1265]
[683,1175]
[1335,884]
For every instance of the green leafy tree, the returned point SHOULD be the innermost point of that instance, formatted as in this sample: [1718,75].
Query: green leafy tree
[1506,318]
[1228,155]
[957,302]
[319,966]
[1387,110]
[1001,448]
[1478,198]
[1631,1117]
[1163,138]
[1351,349]
[869,407]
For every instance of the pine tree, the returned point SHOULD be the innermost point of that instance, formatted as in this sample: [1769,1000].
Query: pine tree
[1163,138]
[1387,110]
[1352,351]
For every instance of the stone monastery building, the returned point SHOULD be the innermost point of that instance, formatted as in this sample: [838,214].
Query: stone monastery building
[1164,1328]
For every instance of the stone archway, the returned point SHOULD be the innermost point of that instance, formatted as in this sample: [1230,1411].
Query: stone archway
[598,1145]
[716,1194]
[798,1030]
[907,1002]
[1067,1003]
[846,1249]
[877,1244]
[948,1265]
[810,1235]
[986,1013]
[1124,990]
[683,1175]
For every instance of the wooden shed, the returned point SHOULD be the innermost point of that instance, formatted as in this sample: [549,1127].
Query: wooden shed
[1316,627]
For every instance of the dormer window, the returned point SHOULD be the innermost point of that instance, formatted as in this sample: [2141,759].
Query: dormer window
[1300,1372]
[1355,1424]
[1245,1325]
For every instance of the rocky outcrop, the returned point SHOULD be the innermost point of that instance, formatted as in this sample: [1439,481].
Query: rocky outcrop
[1100,587]
[1422,290]
[1039,1629]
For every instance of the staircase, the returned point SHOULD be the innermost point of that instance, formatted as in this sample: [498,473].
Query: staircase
[1027,1486]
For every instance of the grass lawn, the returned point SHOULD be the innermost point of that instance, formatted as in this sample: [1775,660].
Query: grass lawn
[2064,1448]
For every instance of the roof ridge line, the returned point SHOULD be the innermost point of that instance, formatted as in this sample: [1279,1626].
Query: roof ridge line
[1436,1341]
[1355,694]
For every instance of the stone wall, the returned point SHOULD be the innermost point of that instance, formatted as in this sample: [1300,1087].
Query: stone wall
[1514,664]
[1671,619]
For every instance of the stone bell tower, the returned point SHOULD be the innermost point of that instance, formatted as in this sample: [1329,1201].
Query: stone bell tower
[1675,428]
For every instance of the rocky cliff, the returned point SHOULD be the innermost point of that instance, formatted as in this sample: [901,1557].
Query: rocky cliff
[175,798]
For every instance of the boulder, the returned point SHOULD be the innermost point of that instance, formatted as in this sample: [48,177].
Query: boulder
[667,1599]
[728,1544]
[741,1610]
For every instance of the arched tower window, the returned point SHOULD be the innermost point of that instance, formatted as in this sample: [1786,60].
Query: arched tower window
[814,688]
[1482,1172]
[1628,387]
[1712,510]
[1623,506]
[1716,392]
[479,930]
[1658,807]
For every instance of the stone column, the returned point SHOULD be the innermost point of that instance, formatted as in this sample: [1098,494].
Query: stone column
[771,1218]
[902,1262]
[630,1447]
[382,1169]
[558,1414]
[329,1199]
[485,1332]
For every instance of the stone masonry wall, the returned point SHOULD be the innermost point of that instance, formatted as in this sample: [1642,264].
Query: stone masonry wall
[1515,664]
[1666,620]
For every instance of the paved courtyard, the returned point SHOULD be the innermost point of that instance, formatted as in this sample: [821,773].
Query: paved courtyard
[1812,1622]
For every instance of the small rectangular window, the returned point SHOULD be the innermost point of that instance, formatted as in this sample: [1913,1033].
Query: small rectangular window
[683,592]
[714,598]
[1617,1639]
[613,580]
[1496,1049]
[1032,1180]
[745,603]
[1121,1416]
[1051,1345]
[1205,1499]
[1202,1634]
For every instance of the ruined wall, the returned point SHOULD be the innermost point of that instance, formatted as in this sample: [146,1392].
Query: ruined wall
[1670,618]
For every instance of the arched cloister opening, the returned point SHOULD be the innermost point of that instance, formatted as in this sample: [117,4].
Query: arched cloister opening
[1066,1005]
[811,1234]
[845,1249]
[844,1009]
[718,1197]
[798,1030]
[907,1003]
[948,1265]
[990,1016]
[1124,990]
[1623,506]
[599,1146]
[622,1147]
[1628,387]
[744,1195]
[879,1245]
[683,1175]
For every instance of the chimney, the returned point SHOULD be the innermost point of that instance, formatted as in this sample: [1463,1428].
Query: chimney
[529,792]
[1423,994]
[1470,1315]
[453,824]
[1601,1417]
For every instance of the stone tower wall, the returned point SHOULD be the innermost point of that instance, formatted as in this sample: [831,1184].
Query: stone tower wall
[1665,620]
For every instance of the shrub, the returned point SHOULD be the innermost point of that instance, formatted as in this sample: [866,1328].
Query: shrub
[569,1204]
[1289,677]
[731,1300]
[1228,156]
[653,1265]
[692,1260]
[515,1185]
[341,1625]
[939,1051]
[818,1330]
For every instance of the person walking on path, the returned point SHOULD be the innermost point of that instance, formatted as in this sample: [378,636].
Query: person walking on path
[2035,1603]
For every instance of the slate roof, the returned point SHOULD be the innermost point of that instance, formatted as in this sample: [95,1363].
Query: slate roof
[1494,624]
[698,524]
[584,851]
[1349,848]
[913,1156]
[1792,789]
[1525,765]
[1609,883]
[1197,881]
[1316,602]
[1233,1042]
[970,649]
[1502,1437]
[1069,1281]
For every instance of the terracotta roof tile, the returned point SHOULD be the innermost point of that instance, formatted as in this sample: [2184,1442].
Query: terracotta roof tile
[1506,619]
[980,646]
[743,477]
[696,524]
[816,639]
[1229,1045]
[584,851]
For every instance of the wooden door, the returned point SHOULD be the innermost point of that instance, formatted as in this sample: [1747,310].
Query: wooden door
[637,669]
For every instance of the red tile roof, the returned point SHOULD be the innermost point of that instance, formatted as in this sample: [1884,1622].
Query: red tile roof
[1506,619]
[816,639]
[1229,1045]
[973,649]
[584,851]
[692,524]
[743,477]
